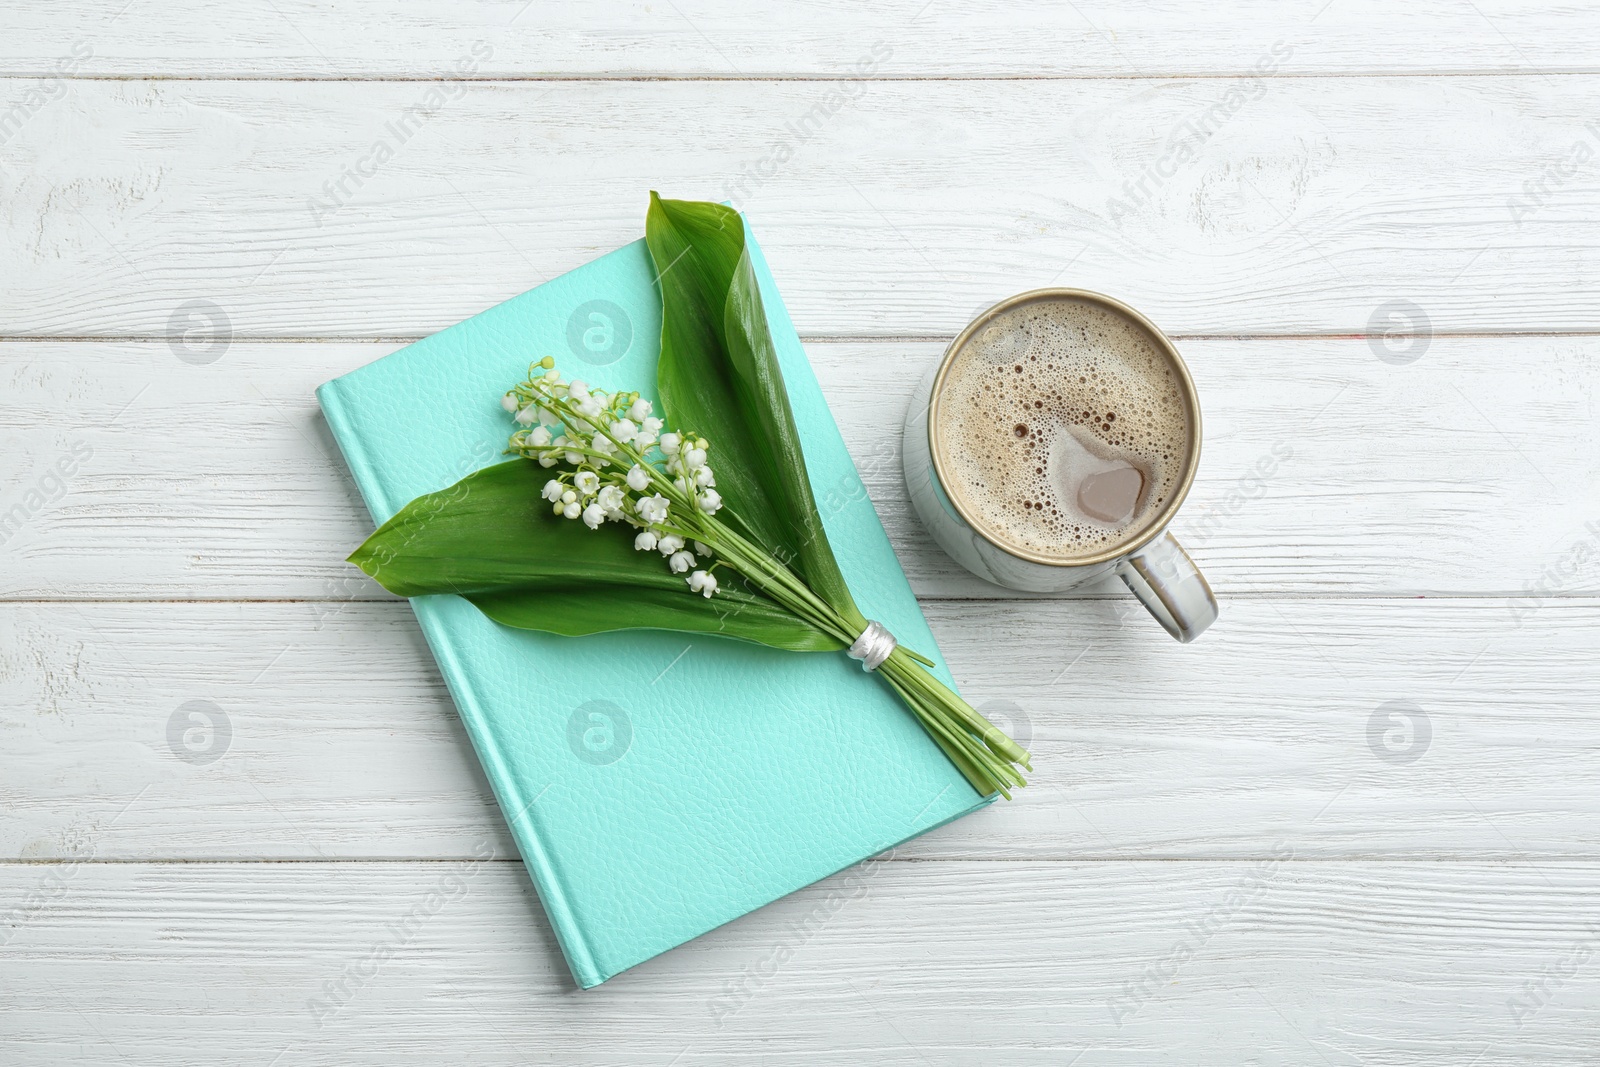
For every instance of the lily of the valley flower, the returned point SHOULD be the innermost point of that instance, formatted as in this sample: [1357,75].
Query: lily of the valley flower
[652,509]
[623,466]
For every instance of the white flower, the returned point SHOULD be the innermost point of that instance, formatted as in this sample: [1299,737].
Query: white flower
[600,429]
[652,509]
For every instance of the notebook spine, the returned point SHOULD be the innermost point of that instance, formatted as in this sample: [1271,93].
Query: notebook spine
[518,810]
[355,456]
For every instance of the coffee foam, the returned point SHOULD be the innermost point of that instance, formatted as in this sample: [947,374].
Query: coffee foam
[1048,395]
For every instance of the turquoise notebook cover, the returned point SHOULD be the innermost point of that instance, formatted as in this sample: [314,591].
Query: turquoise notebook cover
[657,784]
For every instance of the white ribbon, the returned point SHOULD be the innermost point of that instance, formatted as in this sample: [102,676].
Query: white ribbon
[873,646]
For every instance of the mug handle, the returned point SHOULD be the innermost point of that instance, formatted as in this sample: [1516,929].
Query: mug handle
[1171,587]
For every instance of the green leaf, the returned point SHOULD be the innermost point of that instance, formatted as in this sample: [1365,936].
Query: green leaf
[719,375]
[491,538]
[589,609]
[782,460]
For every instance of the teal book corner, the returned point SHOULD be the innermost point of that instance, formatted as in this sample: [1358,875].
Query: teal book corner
[657,784]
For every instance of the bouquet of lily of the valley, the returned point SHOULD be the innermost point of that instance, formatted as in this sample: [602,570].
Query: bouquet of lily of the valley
[700,519]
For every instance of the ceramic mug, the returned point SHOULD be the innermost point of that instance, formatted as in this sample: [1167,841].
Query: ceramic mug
[1150,561]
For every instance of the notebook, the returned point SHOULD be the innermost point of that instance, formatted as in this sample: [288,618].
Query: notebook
[657,784]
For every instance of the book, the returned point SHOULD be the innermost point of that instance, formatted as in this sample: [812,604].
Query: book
[657,784]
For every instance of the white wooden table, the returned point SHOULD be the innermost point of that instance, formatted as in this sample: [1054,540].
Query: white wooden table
[1354,824]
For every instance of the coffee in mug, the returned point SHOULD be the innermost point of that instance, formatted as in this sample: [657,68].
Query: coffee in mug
[1062,428]
[1053,443]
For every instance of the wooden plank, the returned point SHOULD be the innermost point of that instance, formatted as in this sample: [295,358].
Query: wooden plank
[1350,728]
[1290,206]
[297,38]
[1325,469]
[1282,961]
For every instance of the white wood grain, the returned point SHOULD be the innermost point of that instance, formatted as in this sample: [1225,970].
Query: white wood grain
[344,744]
[1306,210]
[719,38]
[1325,470]
[1281,962]
[1217,863]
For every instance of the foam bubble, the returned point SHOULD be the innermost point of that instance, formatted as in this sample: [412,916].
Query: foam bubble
[1044,412]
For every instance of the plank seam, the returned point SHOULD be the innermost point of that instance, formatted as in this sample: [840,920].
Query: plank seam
[815,338]
[1254,595]
[1524,860]
[604,77]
